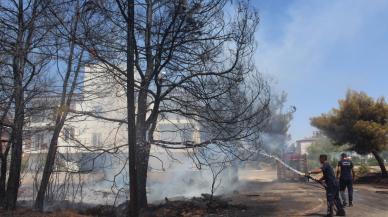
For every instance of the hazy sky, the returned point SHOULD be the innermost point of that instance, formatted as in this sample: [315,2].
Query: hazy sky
[316,50]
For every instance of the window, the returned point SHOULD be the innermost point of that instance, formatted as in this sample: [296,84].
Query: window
[96,139]
[169,132]
[38,117]
[68,133]
[38,140]
[187,135]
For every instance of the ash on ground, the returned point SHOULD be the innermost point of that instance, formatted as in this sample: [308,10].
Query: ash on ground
[206,205]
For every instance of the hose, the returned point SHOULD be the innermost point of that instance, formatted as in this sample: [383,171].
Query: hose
[308,176]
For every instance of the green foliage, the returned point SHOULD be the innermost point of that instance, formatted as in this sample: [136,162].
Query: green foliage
[368,161]
[360,121]
[322,146]
[312,164]
[371,162]
[357,160]
[363,170]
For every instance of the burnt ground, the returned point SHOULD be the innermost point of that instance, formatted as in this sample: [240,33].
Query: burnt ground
[264,196]
[260,195]
[372,178]
[24,212]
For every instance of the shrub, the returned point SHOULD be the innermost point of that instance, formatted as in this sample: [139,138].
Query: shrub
[363,170]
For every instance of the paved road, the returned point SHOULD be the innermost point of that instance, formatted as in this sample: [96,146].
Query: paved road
[299,199]
[263,196]
[368,202]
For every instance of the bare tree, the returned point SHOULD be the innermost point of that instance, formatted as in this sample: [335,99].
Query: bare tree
[24,45]
[130,74]
[188,56]
[6,100]
[67,15]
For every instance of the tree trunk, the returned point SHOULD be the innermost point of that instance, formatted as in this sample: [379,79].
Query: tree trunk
[16,151]
[60,118]
[18,65]
[381,163]
[48,168]
[142,148]
[133,204]
[142,169]
[3,171]
[3,175]
[4,153]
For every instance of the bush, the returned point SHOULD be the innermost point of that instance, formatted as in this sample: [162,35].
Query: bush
[356,160]
[363,170]
[372,162]
[311,164]
[333,163]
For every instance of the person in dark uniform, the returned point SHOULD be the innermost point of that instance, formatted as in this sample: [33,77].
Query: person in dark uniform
[345,172]
[331,184]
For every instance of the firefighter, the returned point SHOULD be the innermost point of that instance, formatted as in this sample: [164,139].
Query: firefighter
[332,189]
[345,173]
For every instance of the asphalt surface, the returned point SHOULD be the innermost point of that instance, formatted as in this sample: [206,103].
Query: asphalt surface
[369,201]
[267,197]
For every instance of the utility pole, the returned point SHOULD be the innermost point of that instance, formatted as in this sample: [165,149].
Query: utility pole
[133,203]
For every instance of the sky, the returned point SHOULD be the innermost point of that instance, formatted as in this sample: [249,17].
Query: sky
[315,50]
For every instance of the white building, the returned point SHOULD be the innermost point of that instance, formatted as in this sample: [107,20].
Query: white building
[85,134]
[303,144]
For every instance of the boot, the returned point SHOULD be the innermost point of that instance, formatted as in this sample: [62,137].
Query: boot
[350,203]
[329,211]
[341,212]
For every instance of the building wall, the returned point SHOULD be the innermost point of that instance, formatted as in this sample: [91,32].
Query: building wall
[4,138]
[303,144]
[104,97]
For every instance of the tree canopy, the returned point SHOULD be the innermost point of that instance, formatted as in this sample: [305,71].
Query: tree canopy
[360,122]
